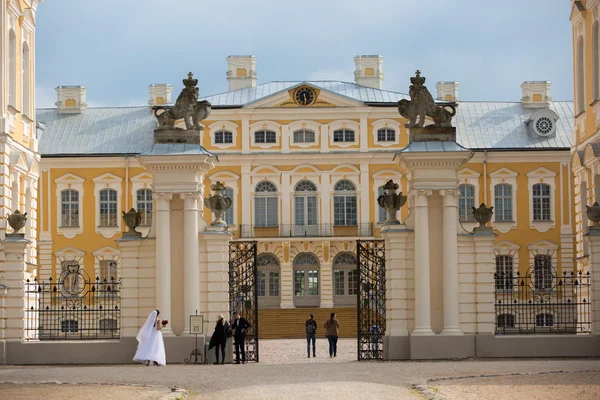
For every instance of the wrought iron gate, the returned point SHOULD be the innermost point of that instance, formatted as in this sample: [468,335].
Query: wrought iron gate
[243,291]
[371,299]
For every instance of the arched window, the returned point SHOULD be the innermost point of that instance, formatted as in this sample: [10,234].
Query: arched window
[265,205]
[543,276]
[108,207]
[26,81]
[343,135]
[344,204]
[306,280]
[264,136]
[595,62]
[345,279]
[504,321]
[223,137]
[305,209]
[386,135]
[544,320]
[304,136]
[541,202]
[267,280]
[69,208]
[12,68]
[504,272]
[228,216]
[144,205]
[69,326]
[580,77]
[503,202]
[466,202]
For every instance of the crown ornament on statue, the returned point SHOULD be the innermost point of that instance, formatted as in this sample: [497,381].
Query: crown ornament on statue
[190,82]
[417,79]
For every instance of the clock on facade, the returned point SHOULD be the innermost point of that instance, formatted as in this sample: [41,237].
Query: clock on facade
[305,96]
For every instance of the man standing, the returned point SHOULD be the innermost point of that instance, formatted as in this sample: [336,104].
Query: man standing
[311,334]
[240,325]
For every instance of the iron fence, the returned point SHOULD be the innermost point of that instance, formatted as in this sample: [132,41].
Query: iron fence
[542,301]
[73,307]
[317,230]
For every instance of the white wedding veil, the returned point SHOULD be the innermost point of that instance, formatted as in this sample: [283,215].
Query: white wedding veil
[148,327]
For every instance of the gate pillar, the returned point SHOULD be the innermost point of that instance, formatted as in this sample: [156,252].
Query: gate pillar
[594,269]
[216,246]
[399,261]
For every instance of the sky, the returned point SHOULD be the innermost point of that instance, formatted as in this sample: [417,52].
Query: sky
[116,48]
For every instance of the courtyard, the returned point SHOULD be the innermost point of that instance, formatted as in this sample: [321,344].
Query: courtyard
[286,373]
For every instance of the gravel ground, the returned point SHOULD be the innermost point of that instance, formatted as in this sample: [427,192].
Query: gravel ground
[559,386]
[286,373]
[83,392]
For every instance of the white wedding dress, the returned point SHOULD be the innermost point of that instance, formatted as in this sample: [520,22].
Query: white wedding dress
[150,342]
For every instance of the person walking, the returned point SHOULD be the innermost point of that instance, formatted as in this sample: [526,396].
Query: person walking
[151,347]
[240,325]
[332,327]
[219,338]
[311,334]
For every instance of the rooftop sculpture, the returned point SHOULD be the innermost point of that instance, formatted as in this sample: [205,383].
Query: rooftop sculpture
[187,107]
[421,105]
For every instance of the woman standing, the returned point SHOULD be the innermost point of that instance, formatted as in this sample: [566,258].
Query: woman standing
[219,338]
[151,348]
[332,327]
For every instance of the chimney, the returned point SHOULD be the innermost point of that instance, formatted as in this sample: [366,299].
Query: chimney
[160,93]
[447,91]
[369,71]
[241,72]
[70,99]
[536,94]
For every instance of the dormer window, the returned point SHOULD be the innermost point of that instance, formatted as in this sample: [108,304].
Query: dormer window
[543,123]
[543,126]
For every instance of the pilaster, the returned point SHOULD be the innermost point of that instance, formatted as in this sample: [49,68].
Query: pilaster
[450,266]
[245,200]
[422,270]
[285,200]
[594,267]
[364,133]
[15,273]
[287,285]
[45,258]
[364,198]
[326,285]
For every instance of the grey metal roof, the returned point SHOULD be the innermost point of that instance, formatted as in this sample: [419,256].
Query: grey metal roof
[495,125]
[353,91]
[425,147]
[161,149]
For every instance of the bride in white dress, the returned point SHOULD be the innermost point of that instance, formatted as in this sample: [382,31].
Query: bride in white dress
[151,348]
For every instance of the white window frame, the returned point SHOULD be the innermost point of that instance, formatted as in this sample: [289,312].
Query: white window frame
[141,181]
[389,124]
[230,180]
[288,133]
[344,124]
[106,253]
[346,299]
[266,126]
[346,194]
[269,301]
[542,175]
[379,179]
[150,201]
[275,195]
[307,300]
[223,126]
[504,176]
[68,254]
[543,247]
[301,230]
[470,177]
[507,248]
[69,182]
[108,181]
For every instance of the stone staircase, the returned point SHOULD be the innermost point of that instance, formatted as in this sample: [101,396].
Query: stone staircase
[289,323]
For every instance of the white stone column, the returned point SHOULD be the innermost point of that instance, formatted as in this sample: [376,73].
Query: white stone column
[286,208]
[245,200]
[245,134]
[364,133]
[422,278]
[163,256]
[326,285]
[191,267]
[325,198]
[365,197]
[450,256]
[287,286]
[485,264]
[324,138]
[594,269]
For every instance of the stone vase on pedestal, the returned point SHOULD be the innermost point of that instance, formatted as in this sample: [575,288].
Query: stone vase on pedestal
[17,221]
[391,202]
[132,219]
[218,204]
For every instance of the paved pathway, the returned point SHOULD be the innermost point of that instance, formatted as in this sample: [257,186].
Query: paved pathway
[293,351]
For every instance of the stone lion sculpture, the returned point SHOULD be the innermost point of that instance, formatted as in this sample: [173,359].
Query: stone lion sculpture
[422,105]
[187,107]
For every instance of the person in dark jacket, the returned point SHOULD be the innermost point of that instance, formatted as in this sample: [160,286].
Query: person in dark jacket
[241,326]
[311,334]
[219,338]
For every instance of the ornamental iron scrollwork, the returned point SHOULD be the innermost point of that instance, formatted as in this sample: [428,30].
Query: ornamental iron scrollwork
[371,299]
[243,291]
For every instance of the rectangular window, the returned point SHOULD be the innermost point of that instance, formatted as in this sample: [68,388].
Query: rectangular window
[543,271]
[352,282]
[313,283]
[299,283]
[228,216]
[345,212]
[108,208]
[69,208]
[304,136]
[223,137]
[108,270]
[504,272]
[69,326]
[339,282]
[261,283]
[273,283]
[265,211]
[343,135]
[381,213]
[466,202]
[386,135]
[503,202]
[144,206]
[541,202]
[265,137]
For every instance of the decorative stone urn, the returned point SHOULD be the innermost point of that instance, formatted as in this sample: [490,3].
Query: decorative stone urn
[218,204]
[391,202]
[132,219]
[17,221]
[483,215]
[593,214]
